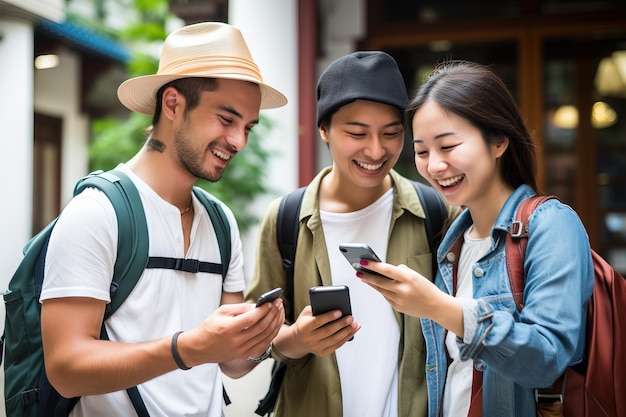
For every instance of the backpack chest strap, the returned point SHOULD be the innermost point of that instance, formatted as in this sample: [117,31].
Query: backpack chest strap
[187,265]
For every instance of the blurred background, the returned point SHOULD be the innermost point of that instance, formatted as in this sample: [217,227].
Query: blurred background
[61,62]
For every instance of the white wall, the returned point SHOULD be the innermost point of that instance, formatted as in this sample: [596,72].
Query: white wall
[16,141]
[58,94]
[47,9]
[16,119]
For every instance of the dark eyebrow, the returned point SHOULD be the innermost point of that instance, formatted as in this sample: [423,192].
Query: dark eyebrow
[439,136]
[396,123]
[360,124]
[238,115]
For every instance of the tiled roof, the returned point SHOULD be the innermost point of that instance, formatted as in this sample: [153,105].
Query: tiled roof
[85,38]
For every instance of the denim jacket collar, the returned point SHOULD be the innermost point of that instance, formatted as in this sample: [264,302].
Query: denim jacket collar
[501,226]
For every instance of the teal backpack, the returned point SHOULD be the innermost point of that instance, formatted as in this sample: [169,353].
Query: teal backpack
[27,390]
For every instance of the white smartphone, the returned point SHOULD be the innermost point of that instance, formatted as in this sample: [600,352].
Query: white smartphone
[354,252]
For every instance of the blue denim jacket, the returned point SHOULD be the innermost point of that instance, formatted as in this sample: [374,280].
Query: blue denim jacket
[517,351]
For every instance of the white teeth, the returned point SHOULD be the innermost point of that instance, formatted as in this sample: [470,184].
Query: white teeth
[369,167]
[221,155]
[451,181]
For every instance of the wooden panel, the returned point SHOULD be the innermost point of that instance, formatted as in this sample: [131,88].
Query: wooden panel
[46,170]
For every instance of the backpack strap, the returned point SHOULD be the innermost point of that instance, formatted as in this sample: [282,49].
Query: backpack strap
[287,228]
[220,224]
[476,399]
[132,249]
[436,214]
[515,249]
[132,242]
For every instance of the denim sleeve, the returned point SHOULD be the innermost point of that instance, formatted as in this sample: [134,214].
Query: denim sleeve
[534,347]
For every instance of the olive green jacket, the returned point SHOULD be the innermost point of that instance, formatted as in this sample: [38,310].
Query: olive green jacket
[311,386]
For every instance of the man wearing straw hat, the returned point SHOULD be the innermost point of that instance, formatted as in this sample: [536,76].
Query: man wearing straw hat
[176,329]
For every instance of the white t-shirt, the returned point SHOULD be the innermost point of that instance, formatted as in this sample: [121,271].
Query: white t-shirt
[458,389]
[368,365]
[79,263]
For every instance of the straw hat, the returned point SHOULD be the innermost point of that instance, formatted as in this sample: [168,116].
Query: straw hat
[210,49]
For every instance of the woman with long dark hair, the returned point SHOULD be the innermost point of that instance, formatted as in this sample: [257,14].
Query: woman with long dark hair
[472,145]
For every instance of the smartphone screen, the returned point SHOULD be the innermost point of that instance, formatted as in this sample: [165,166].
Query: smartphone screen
[330,297]
[354,252]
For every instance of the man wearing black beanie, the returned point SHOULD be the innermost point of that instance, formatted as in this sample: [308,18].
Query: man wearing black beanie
[370,363]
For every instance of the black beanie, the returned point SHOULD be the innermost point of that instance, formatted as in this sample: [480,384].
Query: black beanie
[362,75]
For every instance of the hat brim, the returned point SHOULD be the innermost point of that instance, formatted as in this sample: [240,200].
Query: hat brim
[139,94]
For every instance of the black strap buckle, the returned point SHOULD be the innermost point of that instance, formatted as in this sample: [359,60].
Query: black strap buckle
[187,265]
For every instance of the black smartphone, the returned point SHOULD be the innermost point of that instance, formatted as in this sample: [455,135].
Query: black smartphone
[269,296]
[354,252]
[330,297]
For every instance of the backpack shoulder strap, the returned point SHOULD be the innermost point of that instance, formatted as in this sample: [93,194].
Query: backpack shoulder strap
[132,242]
[220,224]
[287,228]
[515,249]
[132,248]
[436,214]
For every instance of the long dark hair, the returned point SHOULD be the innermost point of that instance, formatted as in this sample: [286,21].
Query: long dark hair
[476,93]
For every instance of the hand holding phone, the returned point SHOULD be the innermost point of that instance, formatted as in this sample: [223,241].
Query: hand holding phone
[329,298]
[354,252]
[269,296]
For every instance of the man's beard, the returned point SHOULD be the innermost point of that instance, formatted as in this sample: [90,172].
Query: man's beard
[192,160]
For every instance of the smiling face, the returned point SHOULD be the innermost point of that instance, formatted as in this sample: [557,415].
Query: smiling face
[453,156]
[208,136]
[365,139]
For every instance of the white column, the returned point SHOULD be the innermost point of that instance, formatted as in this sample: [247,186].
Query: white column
[343,24]
[16,142]
[270,28]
